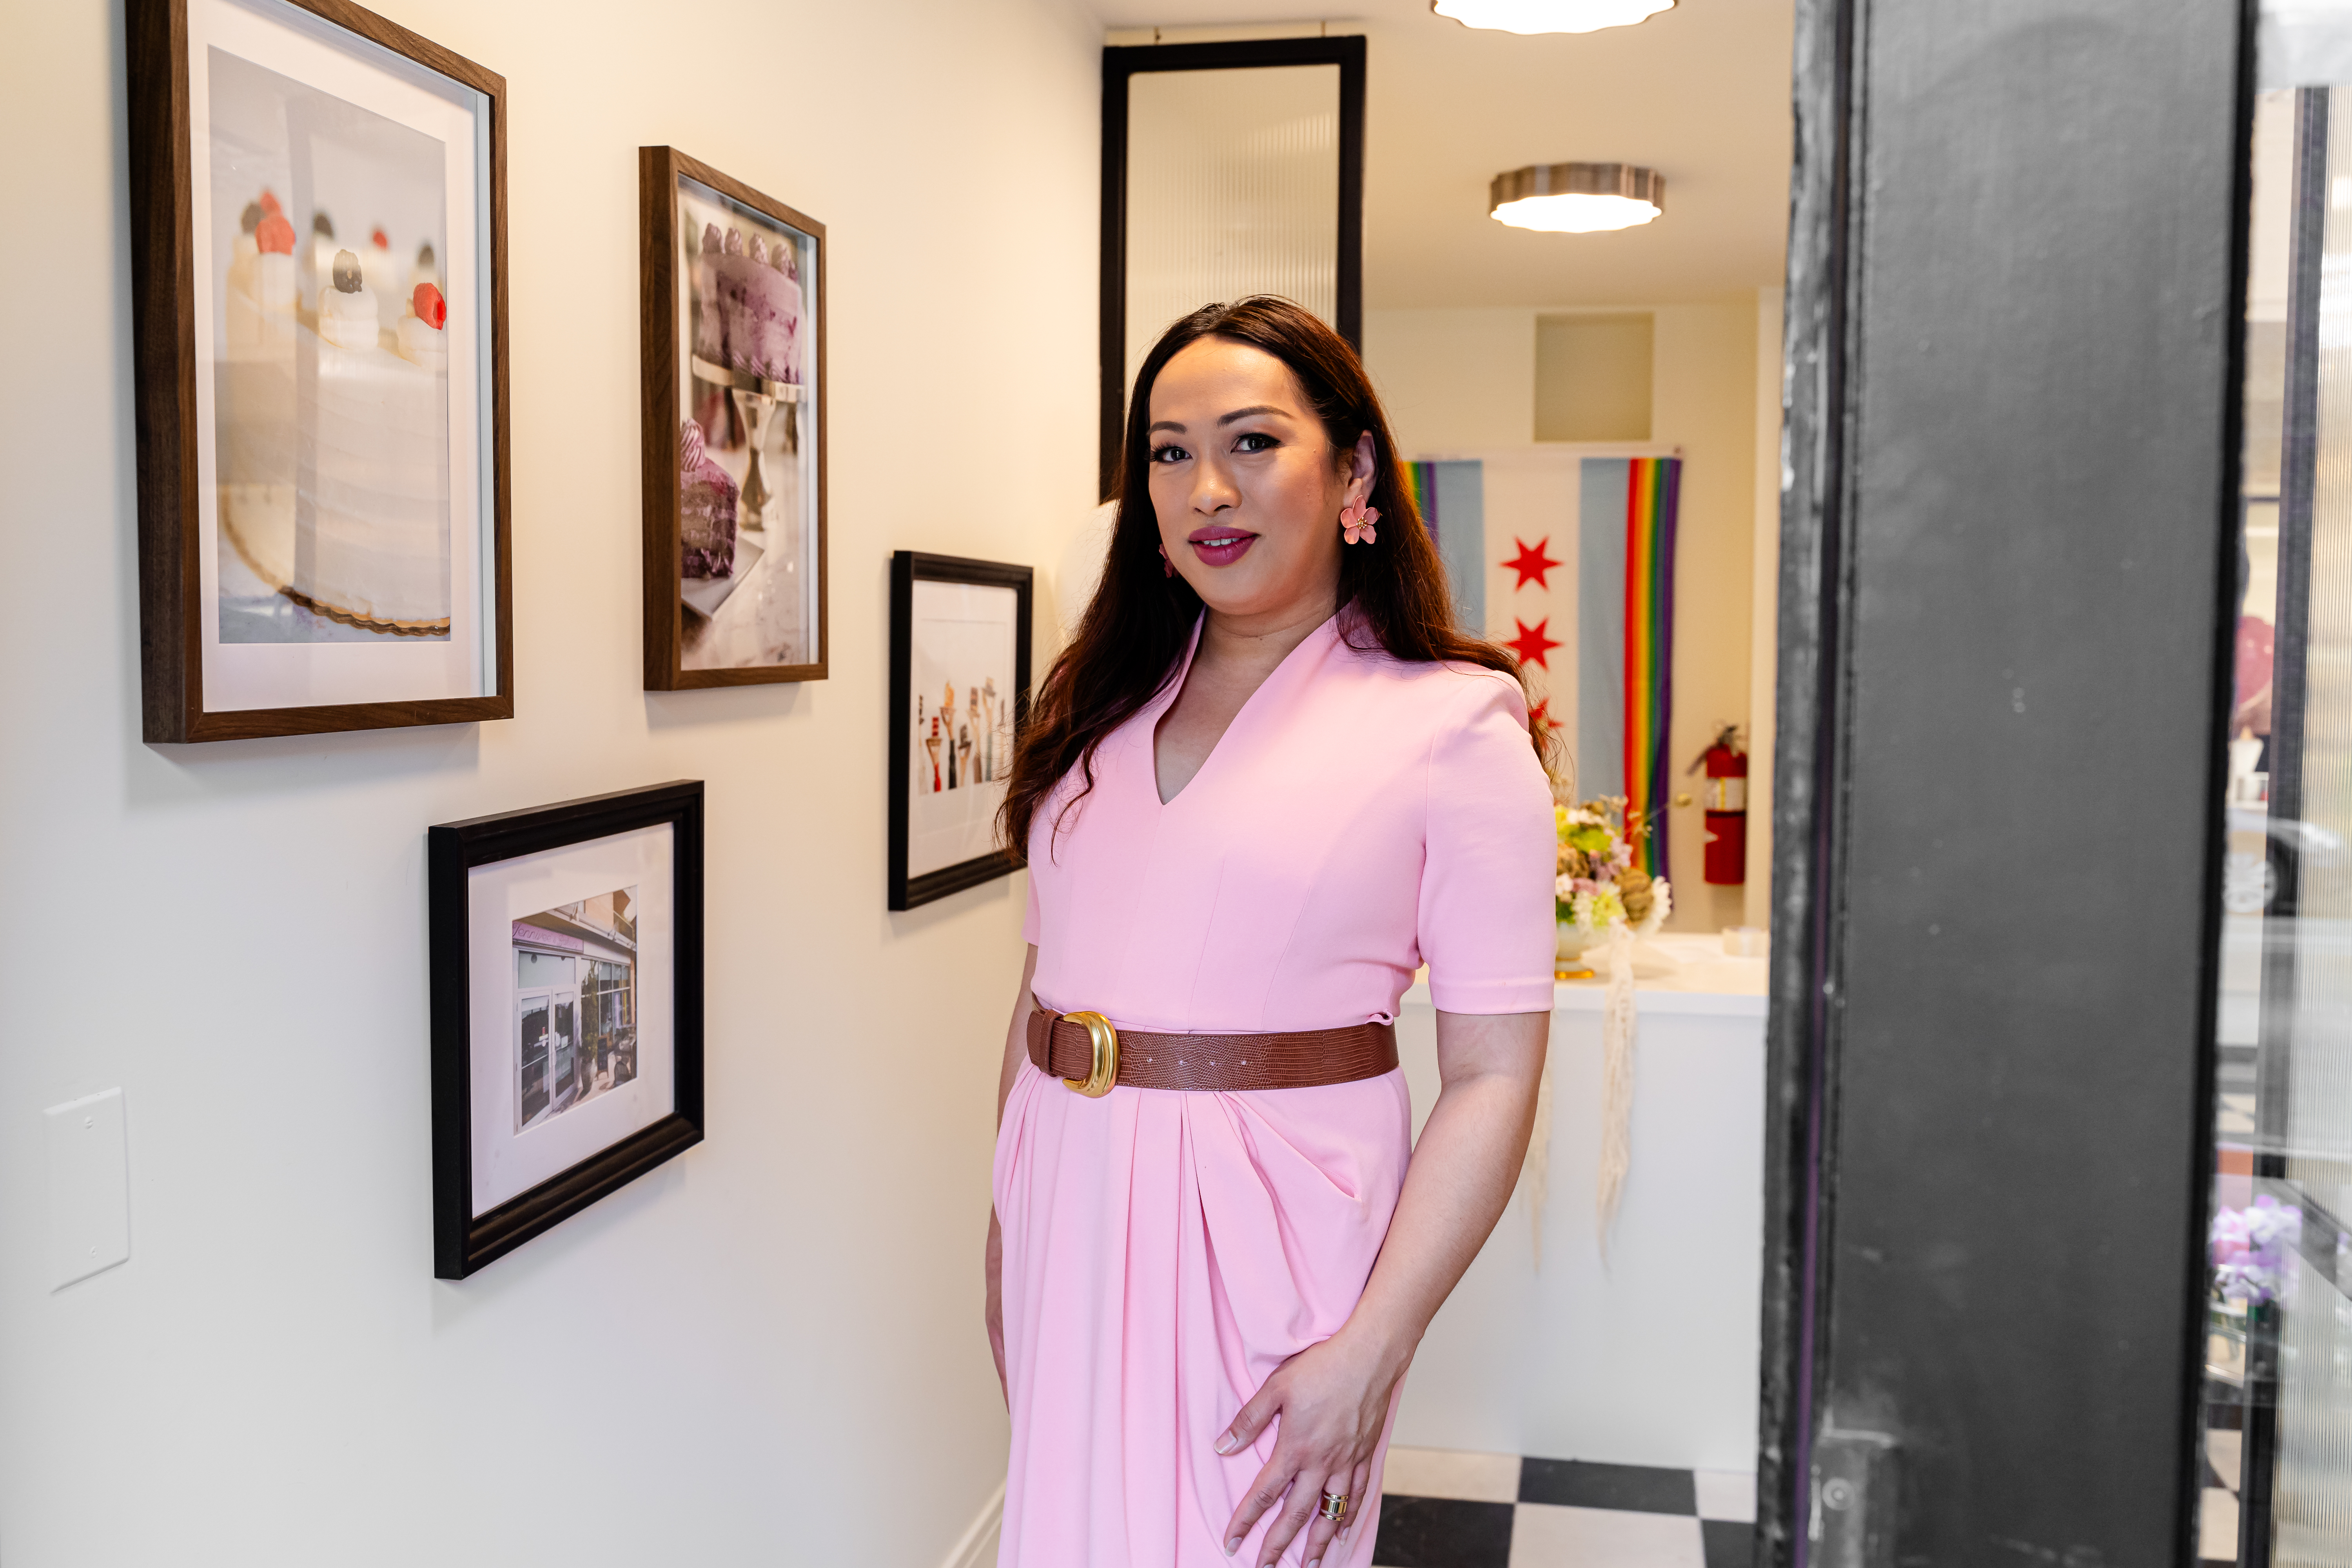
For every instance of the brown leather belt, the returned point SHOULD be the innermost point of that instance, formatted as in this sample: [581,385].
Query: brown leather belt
[1084,1052]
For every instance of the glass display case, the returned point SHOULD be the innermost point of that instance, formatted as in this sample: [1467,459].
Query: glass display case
[2276,1480]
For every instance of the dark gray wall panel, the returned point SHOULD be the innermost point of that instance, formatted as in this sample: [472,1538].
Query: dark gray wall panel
[2017,745]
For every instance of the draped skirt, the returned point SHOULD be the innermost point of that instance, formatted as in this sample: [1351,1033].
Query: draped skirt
[1164,1253]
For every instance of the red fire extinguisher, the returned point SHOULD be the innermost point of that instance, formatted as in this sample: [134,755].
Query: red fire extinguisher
[1726,809]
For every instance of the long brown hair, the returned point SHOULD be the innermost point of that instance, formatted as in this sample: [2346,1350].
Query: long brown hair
[1134,632]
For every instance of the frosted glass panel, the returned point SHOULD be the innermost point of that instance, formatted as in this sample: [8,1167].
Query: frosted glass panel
[1233,188]
[2312,1504]
[2277,1490]
[2319,1109]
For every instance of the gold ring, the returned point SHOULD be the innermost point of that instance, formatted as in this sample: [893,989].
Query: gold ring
[1105,1070]
[1335,1507]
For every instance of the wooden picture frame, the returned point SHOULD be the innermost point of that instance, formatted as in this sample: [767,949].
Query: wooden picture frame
[715,327]
[566,953]
[256,616]
[940,844]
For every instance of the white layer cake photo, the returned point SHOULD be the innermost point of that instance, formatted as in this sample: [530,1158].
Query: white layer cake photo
[334,454]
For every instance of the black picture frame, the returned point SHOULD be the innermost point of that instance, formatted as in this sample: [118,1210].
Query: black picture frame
[1121,61]
[464,1242]
[907,568]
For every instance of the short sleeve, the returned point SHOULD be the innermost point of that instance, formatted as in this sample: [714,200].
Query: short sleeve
[1485,913]
[1032,923]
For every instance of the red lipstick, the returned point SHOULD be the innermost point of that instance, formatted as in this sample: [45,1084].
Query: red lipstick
[1217,545]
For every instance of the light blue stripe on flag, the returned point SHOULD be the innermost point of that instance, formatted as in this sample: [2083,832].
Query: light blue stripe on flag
[1600,627]
[1460,505]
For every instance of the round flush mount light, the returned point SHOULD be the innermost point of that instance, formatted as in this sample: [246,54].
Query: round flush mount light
[1577,198]
[1549,15]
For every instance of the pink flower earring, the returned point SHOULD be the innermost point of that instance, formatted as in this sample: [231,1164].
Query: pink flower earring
[1356,524]
[1167,567]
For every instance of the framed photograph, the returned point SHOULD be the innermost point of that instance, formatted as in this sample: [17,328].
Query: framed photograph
[318,209]
[567,1011]
[733,339]
[958,691]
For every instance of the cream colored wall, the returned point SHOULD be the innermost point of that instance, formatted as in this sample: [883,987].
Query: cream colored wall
[1763,626]
[1705,402]
[1462,382]
[1453,380]
[768,1351]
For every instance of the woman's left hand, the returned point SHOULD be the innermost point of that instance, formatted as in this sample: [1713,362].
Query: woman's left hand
[1333,1400]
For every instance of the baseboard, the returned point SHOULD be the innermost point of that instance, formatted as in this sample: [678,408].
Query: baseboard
[978,1547]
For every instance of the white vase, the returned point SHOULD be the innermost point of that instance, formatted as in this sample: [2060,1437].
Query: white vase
[1571,940]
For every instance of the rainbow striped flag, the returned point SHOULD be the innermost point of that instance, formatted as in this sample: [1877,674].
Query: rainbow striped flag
[1626,638]
[1422,479]
[1452,499]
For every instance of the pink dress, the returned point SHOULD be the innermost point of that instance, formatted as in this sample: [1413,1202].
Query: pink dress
[1165,1252]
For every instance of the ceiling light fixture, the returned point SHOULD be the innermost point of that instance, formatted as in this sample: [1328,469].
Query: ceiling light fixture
[1577,198]
[1526,17]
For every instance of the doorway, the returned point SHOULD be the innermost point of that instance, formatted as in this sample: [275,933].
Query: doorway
[534,1086]
[551,1069]
[2045,1043]
[563,1056]
[1589,1394]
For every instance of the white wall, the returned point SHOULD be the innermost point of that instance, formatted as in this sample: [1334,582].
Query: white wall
[1463,381]
[1454,380]
[1705,402]
[1763,624]
[768,1351]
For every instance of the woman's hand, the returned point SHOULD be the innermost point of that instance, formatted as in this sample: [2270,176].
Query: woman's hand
[995,1265]
[1333,1400]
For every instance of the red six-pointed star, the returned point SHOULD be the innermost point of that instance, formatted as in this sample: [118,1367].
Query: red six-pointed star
[1531,565]
[1531,644]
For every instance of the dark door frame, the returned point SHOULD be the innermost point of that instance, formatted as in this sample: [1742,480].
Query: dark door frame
[2014,349]
[1122,61]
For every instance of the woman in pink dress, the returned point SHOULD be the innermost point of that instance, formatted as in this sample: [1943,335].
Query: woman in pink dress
[1266,782]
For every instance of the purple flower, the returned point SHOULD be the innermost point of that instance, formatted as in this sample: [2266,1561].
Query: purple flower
[2248,1248]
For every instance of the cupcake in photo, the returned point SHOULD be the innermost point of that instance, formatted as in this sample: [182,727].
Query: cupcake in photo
[424,338]
[260,307]
[323,249]
[425,268]
[376,261]
[347,308]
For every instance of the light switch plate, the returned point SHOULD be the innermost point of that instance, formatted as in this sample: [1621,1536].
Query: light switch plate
[89,1188]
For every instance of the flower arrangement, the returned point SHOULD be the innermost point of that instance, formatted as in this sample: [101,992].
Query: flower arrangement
[1598,888]
[2249,1247]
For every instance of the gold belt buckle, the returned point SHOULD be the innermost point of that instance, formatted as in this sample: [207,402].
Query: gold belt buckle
[1100,1081]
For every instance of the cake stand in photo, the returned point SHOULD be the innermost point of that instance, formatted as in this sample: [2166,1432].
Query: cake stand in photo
[755,399]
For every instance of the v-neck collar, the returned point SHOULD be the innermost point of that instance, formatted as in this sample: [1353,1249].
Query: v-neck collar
[1175,689]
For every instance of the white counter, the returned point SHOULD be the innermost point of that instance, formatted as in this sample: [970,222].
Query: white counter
[1650,1359]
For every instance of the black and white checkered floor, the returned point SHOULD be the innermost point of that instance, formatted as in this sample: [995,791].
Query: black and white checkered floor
[2217,1519]
[1440,1509]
